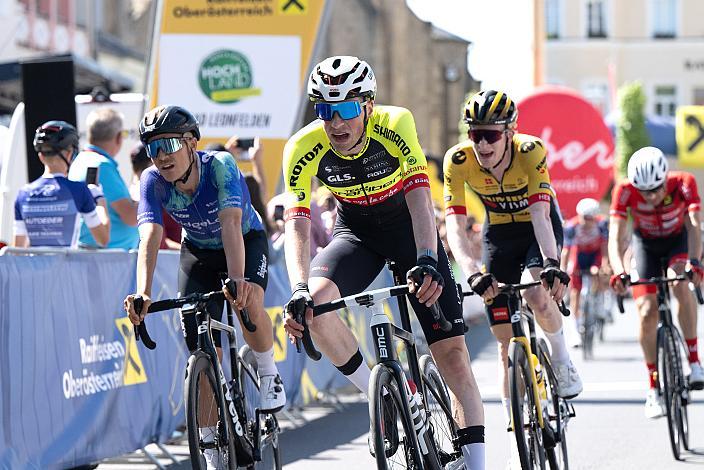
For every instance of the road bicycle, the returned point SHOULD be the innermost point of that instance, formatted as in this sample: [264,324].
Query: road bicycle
[593,304]
[672,384]
[539,416]
[427,438]
[243,435]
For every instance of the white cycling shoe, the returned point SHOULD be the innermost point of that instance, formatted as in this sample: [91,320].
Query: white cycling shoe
[696,376]
[654,407]
[272,395]
[569,384]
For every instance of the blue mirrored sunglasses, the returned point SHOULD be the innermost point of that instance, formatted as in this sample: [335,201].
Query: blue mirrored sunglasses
[346,110]
[167,145]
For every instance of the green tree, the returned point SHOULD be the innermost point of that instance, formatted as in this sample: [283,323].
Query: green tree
[631,133]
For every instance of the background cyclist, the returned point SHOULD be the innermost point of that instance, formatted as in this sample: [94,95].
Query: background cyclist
[664,206]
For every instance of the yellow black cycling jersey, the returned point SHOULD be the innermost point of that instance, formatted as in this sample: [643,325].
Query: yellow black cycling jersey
[525,181]
[368,184]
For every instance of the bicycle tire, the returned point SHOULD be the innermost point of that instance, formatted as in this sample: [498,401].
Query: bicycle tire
[671,382]
[269,439]
[406,448]
[199,366]
[684,387]
[557,456]
[528,435]
[442,426]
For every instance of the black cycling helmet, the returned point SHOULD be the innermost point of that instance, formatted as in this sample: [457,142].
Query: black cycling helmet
[490,107]
[54,136]
[167,119]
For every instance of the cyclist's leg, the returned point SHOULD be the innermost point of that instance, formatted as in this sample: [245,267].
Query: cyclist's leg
[346,266]
[450,354]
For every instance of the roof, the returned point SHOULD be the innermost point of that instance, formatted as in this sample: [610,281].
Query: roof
[438,33]
[88,75]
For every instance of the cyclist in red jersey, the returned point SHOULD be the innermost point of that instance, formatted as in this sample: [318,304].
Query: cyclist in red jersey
[665,207]
[586,237]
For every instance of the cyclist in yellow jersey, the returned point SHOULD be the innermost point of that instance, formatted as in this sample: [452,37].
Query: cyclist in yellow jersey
[523,230]
[370,159]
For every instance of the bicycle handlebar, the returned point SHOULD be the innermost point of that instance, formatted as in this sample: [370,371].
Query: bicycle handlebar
[141,332]
[509,288]
[658,281]
[365,299]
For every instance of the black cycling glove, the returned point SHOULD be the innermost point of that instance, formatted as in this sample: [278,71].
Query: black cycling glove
[480,282]
[425,266]
[552,271]
[300,299]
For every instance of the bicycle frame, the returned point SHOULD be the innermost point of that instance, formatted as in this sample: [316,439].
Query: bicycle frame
[528,343]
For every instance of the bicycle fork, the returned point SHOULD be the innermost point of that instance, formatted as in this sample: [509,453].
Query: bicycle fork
[382,332]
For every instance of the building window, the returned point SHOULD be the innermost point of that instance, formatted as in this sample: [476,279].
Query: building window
[664,18]
[665,100]
[552,19]
[598,95]
[596,18]
[698,97]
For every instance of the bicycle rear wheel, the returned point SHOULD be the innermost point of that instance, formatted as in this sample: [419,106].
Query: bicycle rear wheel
[672,387]
[393,447]
[587,330]
[556,412]
[529,438]
[203,412]
[437,402]
[269,425]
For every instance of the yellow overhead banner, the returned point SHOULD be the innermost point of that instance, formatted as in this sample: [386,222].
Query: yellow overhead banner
[690,136]
[240,66]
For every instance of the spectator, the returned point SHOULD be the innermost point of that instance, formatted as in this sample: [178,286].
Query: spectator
[47,209]
[105,136]
[171,237]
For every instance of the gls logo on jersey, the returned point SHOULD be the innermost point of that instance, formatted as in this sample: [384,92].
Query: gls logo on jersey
[340,178]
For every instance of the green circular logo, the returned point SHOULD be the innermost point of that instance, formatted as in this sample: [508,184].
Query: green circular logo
[225,76]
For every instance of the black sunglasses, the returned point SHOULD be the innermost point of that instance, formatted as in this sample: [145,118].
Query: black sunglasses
[491,136]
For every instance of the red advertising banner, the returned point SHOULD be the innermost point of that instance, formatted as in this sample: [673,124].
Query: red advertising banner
[579,145]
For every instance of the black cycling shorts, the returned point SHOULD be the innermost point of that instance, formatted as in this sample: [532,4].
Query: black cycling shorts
[201,269]
[651,255]
[353,260]
[508,250]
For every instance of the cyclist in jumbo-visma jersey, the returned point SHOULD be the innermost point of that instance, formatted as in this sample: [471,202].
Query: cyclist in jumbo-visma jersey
[523,230]
[207,195]
[370,158]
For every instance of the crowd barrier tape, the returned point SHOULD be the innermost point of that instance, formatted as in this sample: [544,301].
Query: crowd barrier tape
[77,388]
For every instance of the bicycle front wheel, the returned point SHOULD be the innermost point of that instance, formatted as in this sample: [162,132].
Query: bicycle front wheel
[437,402]
[391,446]
[672,387]
[206,431]
[524,409]
[556,414]
[268,424]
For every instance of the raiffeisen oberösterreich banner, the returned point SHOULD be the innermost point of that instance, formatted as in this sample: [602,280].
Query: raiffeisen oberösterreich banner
[240,66]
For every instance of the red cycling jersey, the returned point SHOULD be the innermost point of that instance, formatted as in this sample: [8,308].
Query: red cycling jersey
[664,220]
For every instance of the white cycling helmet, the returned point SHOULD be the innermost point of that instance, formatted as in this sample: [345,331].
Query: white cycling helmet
[340,78]
[588,207]
[647,168]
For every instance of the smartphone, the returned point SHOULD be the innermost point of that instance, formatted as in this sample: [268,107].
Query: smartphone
[278,212]
[92,175]
[244,144]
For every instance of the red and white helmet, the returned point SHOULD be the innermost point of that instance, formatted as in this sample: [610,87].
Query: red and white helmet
[647,168]
[340,78]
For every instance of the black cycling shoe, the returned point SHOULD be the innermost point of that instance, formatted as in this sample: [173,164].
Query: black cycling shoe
[390,429]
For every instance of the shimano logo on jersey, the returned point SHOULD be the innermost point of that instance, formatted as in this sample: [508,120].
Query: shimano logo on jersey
[393,137]
[340,178]
[302,162]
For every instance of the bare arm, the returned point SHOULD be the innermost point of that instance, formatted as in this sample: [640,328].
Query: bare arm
[149,241]
[617,228]
[297,249]
[101,233]
[565,257]
[233,242]
[692,224]
[542,227]
[21,241]
[460,244]
[126,209]
[421,208]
